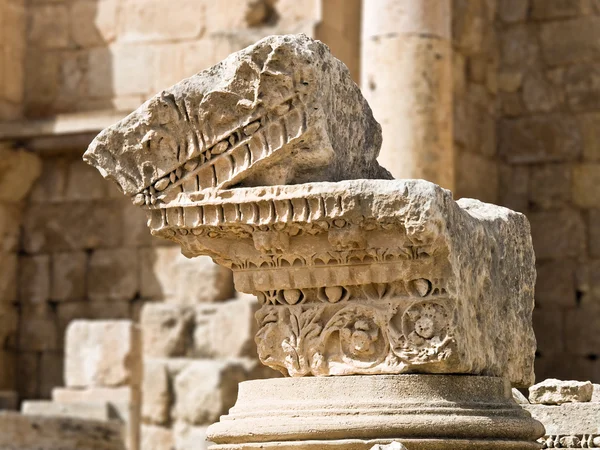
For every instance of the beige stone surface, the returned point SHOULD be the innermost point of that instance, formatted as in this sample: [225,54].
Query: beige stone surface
[556,392]
[156,393]
[414,294]
[199,403]
[102,354]
[18,170]
[121,399]
[320,413]
[189,437]
[213,336]
[166,330]
[569,419]
[167,275]
[93,411]
[22,432]
[262,126]
[156,438]
[68,272]
[113,275]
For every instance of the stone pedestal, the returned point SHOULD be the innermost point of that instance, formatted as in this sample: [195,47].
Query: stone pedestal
[267,163]
[423,412]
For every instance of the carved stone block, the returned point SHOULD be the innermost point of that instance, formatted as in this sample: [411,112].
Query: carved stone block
[372,276]
[355,277]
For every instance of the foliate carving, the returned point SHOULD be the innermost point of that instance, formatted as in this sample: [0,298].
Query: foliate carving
[337,338]
[571,441]
[281,111]
[243,162]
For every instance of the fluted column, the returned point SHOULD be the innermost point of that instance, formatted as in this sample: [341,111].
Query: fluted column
[406,77]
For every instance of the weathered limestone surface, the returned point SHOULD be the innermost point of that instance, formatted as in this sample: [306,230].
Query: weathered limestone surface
[556,392]
[356,276]
[102,353]
[568,411]
[420,411]
[281,111]
[92,410]
[24,432]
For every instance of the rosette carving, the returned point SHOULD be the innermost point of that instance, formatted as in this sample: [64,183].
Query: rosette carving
[354,336]
[422,333]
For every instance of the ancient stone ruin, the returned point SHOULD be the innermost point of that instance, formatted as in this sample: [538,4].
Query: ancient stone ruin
[267,163]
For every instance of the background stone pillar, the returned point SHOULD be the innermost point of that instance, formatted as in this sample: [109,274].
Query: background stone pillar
[406,78]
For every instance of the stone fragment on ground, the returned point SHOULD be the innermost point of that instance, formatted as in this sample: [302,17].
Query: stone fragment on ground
[93,410]
[556,392]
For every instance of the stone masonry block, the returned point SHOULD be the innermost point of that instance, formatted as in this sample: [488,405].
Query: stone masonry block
[548,138]
[71,226]
[557,234]
[570,41]
[18,170]
[590,129]
[582,84]
[568,419]
[166,329]
[189,437]
[49,26]
[34,279]
[586,185]
[8,277]
[555,9]
[550,186]
[144,20]
[203,403]
[39,332]
[556,283]
[83,183]
[113,275]
[579,322]
[556,392]
[51,372]
[156,438]
[156,393]
[226,330]
[167,274]
[9,400]
[549,330]
[10,221]
[103,16]
[594,232]
[121,400]
[92,411]
[54,433]
[102,353]
[68,275]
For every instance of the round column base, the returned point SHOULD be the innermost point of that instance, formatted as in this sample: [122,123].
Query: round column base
[423,412]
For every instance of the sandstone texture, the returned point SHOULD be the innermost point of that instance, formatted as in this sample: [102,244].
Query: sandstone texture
[355,277]
[281,111]
[24,432]
[556,392]
[102,353]
[451,262]
[320,413]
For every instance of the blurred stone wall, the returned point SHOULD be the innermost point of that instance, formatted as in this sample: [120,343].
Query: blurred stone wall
[548,135]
